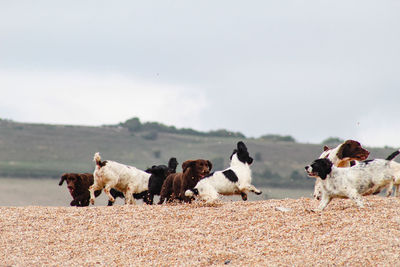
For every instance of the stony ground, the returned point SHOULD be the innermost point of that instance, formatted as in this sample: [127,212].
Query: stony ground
[260,233]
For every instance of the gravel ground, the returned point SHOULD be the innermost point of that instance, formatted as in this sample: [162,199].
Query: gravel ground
[258,233]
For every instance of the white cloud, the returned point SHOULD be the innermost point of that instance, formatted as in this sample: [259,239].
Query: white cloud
[95,99]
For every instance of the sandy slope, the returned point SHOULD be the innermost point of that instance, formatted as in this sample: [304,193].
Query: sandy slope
[233,233]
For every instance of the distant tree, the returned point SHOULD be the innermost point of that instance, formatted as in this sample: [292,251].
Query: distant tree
[133,124]
[278,138]
[332,141]
[226,133]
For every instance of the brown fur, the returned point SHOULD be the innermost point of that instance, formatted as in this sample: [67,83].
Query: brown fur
[353,150]
[78,185]
[176,184]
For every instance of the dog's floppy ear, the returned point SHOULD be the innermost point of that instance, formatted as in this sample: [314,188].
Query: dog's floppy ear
[241,146]
[187,164]
[63,178]
[326,148]
[325,168]
[343,150]
[209,165]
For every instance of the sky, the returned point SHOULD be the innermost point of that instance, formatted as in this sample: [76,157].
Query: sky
[310,69]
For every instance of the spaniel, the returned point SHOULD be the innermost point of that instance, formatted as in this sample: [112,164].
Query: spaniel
[364,178]
[235,180]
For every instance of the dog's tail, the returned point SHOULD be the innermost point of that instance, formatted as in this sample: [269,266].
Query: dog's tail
[97,159]
[191,192]
[393,155]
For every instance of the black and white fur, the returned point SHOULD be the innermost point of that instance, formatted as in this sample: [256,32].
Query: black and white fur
[341,156]
[364,178]
[235,180]
[124,178]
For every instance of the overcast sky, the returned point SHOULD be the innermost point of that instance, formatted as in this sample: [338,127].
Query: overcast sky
[309,69]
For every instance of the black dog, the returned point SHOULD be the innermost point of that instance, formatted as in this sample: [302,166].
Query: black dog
[158,175]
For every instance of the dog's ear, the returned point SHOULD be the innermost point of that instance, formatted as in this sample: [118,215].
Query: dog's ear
[63,178]
[209,165]
[325,168]
[241,146]
[348,149]
[326,148]
[187,164]
[343,150]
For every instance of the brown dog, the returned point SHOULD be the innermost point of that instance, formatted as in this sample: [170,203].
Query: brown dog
[176,184]
[78,185]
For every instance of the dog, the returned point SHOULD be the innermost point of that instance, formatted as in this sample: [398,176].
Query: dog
[341,156]
[235,180]
[176,184]
[124,178]
[78,185]
[158,175]
[364,178]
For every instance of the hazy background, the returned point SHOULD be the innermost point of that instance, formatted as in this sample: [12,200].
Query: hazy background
[310,69]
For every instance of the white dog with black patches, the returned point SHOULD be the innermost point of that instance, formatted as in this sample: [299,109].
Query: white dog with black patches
[235,180]
[126,179]
[364,178]
[341,156]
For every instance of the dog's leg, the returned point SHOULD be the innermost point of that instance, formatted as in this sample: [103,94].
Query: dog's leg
[251,188]
[390,188]
[161,200]
[149,198]
[129,195]
[325,199]
[74,202]
[356,198]
[107,190]
[82,200]
[255,190]
[93,188]
[396,188]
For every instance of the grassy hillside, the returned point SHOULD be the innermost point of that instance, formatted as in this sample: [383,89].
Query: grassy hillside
[38,150]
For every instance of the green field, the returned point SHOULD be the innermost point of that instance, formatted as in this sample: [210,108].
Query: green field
[38,150]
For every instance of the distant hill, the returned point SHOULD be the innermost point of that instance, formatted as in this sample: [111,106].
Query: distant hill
[43,150]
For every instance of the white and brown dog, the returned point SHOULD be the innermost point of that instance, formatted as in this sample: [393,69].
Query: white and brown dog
[341,156]
[126,179]
[235,180]
[364,178]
